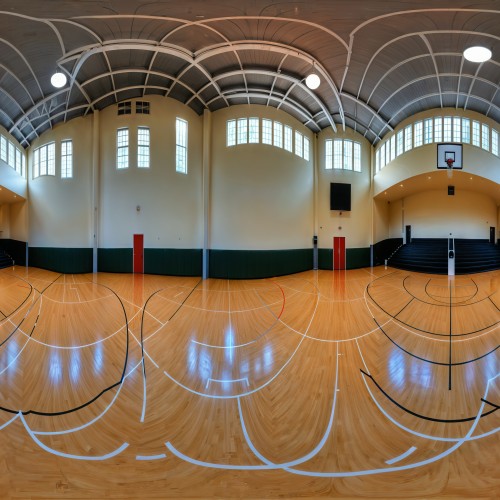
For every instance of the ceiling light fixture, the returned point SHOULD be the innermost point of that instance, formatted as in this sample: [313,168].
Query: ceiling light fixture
[58,80]
[477,54]
[313,81]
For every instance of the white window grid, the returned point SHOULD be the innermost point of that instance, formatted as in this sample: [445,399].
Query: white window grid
[231,133]
[253,130]
[181,134]
[267,131]
[278,134]
[122,148]
[143,147]
[242,131]
[288,138]
[485,136]
[66,159]
[418,131]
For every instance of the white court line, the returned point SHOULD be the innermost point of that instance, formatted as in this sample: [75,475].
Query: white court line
[112,454]
[227,381]
[212,396]
[411,431]
[151,457]
[407,453]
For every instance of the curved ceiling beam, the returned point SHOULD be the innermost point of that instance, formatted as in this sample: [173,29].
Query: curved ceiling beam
[436,70]
[375,113]
[419,34]
[283,76]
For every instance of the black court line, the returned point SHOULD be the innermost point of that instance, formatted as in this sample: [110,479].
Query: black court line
[436,305]
[440,303]
[489,297]
[430,360]
[30,309]
[425,417]
[490,403]
[95,398]
[462,303]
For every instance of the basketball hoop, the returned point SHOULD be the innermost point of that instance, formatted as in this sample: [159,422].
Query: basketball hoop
[450,162]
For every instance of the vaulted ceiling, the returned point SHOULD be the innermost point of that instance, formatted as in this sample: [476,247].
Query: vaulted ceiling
[379,61]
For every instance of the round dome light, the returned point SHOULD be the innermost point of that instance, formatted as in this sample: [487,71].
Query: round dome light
[477,54]
[313,81]
[58,80]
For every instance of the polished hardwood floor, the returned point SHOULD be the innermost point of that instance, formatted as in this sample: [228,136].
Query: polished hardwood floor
[370,383]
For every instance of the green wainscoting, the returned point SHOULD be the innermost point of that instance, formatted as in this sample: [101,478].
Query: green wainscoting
[114,260]
[173,261]
[250,264]
[16,249]
[355,258]
[61,260]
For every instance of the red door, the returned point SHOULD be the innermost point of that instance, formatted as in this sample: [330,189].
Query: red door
[338,252]
[138,253]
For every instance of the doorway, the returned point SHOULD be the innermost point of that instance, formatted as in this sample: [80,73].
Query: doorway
[338,252]
[408,235]
[492,235]
[138,253]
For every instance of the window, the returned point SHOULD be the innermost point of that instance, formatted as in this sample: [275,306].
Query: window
[347,155]
[466,130]
[125,108]
[475,133]
[382,156]
[306,148]
[44,160]
[242,134]
[253,130]
[142,107]
[181,133]
[122,148]
[298,143]
[288,138]
[278,134]
[485,136]
[377,160]
[494,142]
[24,166]
[231,133]
[357,156]
[328,154]
[393,147]
[143,143]
[19,163]
[428,131]
[3,148]
[418,138]
[457,134]
[12,155]
[438,129]
[447,129]
[337,154]
[267,131]
[399,143]
[66,159]
[408,138]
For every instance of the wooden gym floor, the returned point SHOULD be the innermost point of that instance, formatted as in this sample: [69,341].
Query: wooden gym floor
[373,383]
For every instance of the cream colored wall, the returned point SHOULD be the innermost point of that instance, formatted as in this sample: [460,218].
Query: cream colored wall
[424,158]
[381,221]
[19,221]
[396,219]
[5,221]
[261,197]
[170,203]
[434,214]
[60,209]
[356,225]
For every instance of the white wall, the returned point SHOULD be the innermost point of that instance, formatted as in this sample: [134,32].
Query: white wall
[435,214]
[170,203]
[261,197]
[60,209]
[356,225]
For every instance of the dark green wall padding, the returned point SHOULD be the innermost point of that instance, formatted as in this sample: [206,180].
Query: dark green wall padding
[173,261]
[16,249]
[250,264]
[114,260]
[355,258]
[61,260]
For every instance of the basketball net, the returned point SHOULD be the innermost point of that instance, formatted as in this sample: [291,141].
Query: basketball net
[450,162]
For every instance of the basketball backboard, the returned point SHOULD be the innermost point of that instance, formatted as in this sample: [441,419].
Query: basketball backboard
[449,155]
